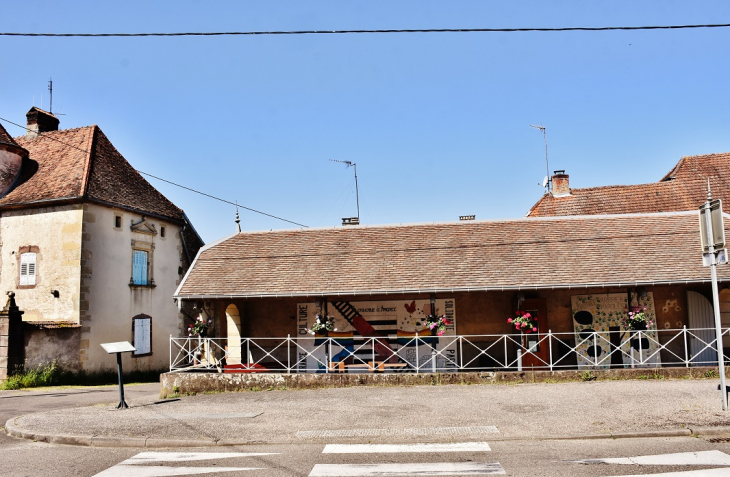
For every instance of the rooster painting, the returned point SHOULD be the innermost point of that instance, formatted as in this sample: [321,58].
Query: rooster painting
[411,308]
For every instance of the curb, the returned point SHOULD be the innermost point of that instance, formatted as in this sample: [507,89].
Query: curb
[154,442]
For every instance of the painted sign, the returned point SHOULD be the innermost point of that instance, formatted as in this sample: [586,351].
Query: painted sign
[603,314]
[394,324]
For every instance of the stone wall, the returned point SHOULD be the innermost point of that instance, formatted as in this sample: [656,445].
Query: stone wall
[46,345]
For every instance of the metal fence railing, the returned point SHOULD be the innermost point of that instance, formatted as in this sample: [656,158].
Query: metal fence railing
[425,353]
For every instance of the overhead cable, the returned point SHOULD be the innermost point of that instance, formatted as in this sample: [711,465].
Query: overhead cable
[165,180]
[342,32]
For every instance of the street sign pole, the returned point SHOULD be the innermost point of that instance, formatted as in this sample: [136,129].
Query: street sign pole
[710,256]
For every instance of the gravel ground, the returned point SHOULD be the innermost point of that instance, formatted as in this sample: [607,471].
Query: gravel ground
[522,410]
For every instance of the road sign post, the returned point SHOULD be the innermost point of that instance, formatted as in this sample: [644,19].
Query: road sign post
[712,232]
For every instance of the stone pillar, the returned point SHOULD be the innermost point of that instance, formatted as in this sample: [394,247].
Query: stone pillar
[12,345]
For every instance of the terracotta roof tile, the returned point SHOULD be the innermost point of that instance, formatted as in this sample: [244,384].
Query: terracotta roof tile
[523,253]
[683,188]
[5,138]
[83,164]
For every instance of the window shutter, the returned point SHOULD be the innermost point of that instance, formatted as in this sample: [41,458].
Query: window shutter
[27,268]
[139,267]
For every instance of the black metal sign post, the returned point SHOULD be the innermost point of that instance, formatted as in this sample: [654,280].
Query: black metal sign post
[119,348]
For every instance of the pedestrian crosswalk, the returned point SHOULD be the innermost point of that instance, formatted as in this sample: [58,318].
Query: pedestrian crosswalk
[703,458]
[406,469]
[146,464]
[435,468]
[466,461]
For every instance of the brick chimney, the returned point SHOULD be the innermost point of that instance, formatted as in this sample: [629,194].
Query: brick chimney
[561,184]
[40,121]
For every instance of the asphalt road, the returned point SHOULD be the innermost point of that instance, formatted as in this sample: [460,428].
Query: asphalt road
[513,457]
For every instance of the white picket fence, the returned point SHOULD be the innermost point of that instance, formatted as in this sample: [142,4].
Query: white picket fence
[460,353]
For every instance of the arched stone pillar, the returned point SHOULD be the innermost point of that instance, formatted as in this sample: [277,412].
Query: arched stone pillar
[233,324]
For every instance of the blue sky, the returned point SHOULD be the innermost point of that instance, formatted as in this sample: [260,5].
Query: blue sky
[438,124]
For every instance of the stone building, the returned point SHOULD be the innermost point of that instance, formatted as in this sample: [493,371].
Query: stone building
[576,273]
[92,251]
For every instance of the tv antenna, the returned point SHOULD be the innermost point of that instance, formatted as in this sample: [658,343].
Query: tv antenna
[50,90]
[357,194]
[546,180]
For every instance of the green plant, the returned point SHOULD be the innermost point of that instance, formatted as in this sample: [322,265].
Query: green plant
[635,318]
[524,322]
[199,327]
[712,374]
[53,374]
[435,323]
[587,376]
[322,324]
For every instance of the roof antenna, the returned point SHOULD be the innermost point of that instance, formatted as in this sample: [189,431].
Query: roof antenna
[238,220]
[357,194]
[50,89]
[546,182]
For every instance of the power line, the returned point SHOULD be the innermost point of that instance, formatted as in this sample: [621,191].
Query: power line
[342,32]
[222,200]
[164,180]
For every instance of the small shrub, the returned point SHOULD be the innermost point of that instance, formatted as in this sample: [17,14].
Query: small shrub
[587,376]
[53,374]
[712,374]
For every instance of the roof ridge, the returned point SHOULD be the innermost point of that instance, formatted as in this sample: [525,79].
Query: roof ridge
[457,223]
[58,131]
[89,158]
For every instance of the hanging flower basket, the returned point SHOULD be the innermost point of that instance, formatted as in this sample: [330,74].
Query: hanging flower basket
[199,327]
[437,324]
[525,322]
[636,319]
[323,325]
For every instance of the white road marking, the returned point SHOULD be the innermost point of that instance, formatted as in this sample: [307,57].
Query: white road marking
[714,457]
[407,432]
[229,415]
[392,448]
[152,457]
[689,473]
[156,471]
[440,468]
[135,465]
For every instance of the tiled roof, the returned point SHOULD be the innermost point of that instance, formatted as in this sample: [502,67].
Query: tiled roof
[5,138]
[485,255]
[83,164]
[683,188]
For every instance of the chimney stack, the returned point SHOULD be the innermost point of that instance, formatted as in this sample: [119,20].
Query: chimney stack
[40,121]
[561,184]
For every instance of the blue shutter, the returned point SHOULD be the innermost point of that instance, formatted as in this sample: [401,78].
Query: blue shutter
[139,267]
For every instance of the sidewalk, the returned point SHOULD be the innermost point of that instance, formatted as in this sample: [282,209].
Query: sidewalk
[602,409]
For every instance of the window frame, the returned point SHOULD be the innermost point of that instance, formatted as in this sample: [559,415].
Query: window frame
[25,251]
[29,261]
[145,264]
[135,320]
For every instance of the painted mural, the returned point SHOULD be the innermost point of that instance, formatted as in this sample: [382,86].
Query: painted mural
[604,313]
[394,322]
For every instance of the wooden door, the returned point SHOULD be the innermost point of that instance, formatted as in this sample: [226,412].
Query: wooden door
[538,352]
